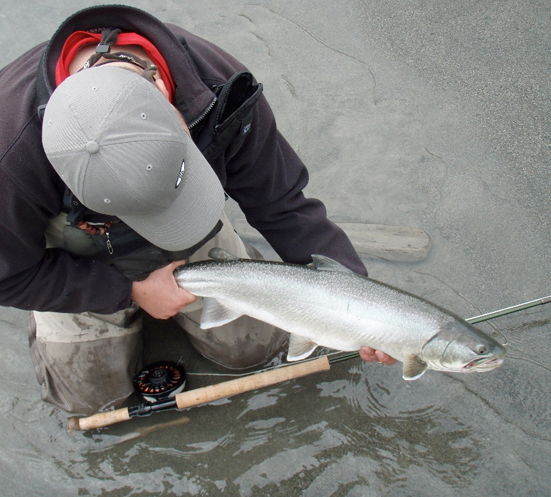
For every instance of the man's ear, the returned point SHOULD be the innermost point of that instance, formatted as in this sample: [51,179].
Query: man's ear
[162,87]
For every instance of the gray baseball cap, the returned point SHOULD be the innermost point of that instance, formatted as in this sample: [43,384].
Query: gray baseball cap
[121,148]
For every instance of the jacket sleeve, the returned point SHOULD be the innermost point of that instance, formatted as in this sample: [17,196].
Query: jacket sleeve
[33,277]
[266,177]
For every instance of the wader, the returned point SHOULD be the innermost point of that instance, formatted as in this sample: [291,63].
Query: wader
[85,362]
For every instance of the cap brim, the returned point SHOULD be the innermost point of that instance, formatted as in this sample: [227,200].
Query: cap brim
[194,213]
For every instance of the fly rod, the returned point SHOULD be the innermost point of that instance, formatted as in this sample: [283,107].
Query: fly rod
[254,381]
[200,396]
[509,310]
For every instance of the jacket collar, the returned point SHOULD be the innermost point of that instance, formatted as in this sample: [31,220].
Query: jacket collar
[193,98]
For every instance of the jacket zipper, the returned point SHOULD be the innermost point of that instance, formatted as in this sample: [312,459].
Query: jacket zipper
[108,243]
[203,115]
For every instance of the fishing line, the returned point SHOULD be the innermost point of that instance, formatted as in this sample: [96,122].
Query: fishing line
[276,366]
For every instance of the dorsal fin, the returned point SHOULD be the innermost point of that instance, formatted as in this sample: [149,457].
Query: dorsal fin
[324,263]
[221,255]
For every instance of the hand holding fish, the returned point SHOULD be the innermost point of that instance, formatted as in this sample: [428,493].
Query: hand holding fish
[371,355]
[159,295]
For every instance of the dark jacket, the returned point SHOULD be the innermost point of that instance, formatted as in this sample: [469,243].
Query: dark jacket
[264,175]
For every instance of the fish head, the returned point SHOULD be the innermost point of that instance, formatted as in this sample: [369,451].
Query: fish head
[459,347]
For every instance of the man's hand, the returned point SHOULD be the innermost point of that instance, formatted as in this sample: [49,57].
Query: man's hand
[159,295]
[371,355]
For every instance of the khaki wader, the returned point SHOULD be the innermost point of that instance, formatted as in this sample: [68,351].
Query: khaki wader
[85,362]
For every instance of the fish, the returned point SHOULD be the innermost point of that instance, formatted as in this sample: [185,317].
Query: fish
[326,304]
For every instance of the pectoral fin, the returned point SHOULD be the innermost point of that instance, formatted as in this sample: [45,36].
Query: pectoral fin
[413,367]
[215,313]
[300,348]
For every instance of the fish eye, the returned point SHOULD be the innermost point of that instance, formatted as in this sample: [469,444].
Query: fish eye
[481,349]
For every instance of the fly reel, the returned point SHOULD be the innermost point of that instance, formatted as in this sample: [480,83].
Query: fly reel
[160,381]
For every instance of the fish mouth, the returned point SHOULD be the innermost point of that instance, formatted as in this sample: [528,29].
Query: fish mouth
[484,364]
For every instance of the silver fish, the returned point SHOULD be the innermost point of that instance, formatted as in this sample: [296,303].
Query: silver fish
[326,304]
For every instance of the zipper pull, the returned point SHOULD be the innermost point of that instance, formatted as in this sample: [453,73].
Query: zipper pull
[108,243]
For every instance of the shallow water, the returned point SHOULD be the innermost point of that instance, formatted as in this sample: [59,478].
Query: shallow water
[421,114]
[358,430]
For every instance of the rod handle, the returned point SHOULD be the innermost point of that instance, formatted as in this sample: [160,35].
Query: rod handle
[208,394]
[98,420]
[226,389]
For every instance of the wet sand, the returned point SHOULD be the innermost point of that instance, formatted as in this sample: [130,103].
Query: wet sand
[429,115]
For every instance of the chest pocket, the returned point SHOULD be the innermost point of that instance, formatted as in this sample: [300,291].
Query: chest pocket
[230,121]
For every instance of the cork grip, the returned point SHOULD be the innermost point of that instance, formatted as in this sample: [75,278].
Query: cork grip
[98,420]
[246,384]
[210,393]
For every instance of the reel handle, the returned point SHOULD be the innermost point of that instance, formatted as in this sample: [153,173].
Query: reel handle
[208,394]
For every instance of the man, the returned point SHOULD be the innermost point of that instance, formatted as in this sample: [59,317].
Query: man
[119,139]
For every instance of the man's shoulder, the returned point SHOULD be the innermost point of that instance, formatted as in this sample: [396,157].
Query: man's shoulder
[22,157]
[18,97]
[211,61]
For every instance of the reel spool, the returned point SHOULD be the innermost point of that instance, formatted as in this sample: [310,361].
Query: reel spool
[160,381]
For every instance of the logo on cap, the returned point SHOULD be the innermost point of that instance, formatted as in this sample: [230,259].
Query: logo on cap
[180,174]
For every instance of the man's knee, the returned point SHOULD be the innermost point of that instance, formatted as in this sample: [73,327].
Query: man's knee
[89,372]
[242,345]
